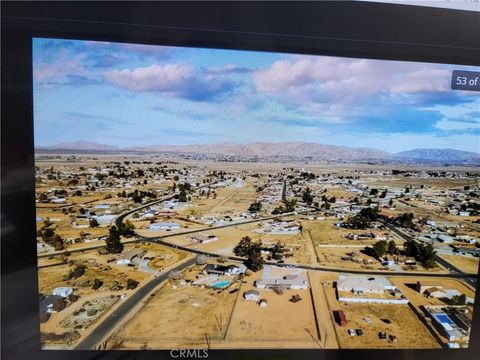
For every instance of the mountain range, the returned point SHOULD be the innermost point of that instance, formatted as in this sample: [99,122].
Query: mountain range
[288,149]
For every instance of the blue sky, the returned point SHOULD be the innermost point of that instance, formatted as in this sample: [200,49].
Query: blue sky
[133,95]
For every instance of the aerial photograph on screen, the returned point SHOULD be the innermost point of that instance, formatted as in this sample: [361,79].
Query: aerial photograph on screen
[193,198]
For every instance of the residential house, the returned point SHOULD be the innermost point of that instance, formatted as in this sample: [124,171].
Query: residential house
[127,257]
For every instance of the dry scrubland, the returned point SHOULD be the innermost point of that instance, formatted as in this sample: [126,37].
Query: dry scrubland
[222,317]
[324,232]
[183,316]
[97,266]
[410,331]
[417,182]
[282,321]
[467,264]
[113,276]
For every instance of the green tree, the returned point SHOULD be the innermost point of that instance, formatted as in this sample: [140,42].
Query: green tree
[392,248]
[113,243]
[277,251]
[359,222]
[254,259]
[307,196]
[278,210]
[126,229]
[405,220]
[459,299]
[290,205]
[379,249]
[429,263]
[182,196]
[43,197]
[93,223]
[255,207]
[243,247]
[410,247]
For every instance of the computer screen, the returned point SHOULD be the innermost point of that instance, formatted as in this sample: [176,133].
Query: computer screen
[200,198]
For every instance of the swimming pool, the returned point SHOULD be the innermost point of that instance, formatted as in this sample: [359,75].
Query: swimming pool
[443,318]
[221,284]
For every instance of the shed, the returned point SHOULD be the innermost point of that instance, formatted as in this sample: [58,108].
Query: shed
[251,295]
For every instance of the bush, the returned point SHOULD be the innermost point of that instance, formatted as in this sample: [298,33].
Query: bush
[75,273]
[97,284]
[131,284]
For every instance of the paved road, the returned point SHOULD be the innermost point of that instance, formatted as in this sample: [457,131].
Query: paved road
[114,318]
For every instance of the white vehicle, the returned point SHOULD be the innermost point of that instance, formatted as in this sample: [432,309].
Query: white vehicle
[351,332]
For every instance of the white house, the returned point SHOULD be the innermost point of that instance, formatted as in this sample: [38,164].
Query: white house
[364,284]
[127,257]
[63,291]
[294,281]
[202,238]
[104,219]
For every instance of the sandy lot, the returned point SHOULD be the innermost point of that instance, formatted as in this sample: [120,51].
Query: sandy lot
[324,232]
[281,321]
[409,330]
[467,264]
[185,315]
[97,266]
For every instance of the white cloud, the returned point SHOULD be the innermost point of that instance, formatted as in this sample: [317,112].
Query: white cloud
[448,124]
[315,82]
[166,78]
[422,80]
[64,65]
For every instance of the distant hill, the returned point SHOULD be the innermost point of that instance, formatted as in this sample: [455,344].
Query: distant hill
[264,149]
[81,145]
[440,155]
[290,149]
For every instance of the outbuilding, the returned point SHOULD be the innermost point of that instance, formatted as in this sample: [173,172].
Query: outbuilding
[251,295]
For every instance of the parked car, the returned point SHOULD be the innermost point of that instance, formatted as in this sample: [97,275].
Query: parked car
[351,332]
[367,320]
[382,335]
[392,338]
[359,332]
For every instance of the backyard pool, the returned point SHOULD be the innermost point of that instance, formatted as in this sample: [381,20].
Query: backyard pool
[221,284]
